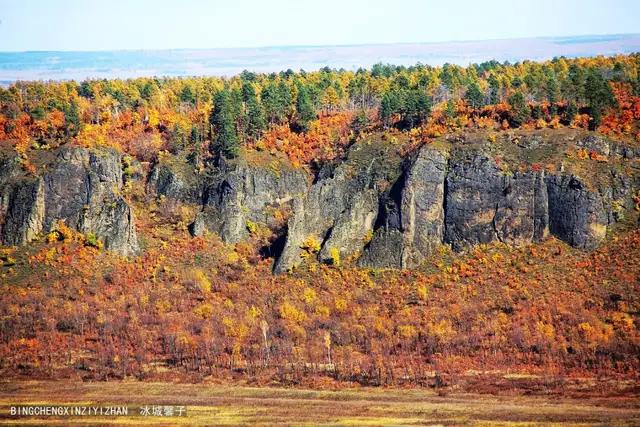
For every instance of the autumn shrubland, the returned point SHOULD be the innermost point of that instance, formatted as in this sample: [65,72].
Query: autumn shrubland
[534,316]
[197,308]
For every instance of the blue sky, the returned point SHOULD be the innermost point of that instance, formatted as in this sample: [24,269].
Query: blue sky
[162,24]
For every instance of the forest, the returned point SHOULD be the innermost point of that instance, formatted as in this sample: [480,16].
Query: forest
[198,307]
[310,116]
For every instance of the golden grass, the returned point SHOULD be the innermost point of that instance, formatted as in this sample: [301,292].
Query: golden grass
[231,405]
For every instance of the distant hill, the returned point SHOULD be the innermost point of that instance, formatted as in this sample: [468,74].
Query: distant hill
[48,65]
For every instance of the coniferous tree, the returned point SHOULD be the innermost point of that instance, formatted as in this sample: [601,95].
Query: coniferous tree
[187,96]
[305,112]
[450,110]
[474,96]
[570,112]
[389,105]
[72,119]
[494,90]
[552,92]
[223,125]
[255,116]
[576,84]
[598,95]
[285,100]
[272,103]
[519,109]
[420,107]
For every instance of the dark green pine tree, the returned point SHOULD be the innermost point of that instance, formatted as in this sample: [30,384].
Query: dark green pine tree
[598,95]
[519,109]
[256,123]
[474,96]
[360,121]
[450,110]
[570,112]
[552,92]
[417,107]
[187,95]
[285,100]
[494,90]
[423,106]
[223,125]
[305,112]
[72,119]
[574,88]
[271,103]
[389,105]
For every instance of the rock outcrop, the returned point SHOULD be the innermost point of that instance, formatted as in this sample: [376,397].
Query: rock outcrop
[576,214]
[176,179]
[340,209]
[484,204]
[80,187]
[456,195]
[240,194]
[373,208]
[411,222]
[337,213]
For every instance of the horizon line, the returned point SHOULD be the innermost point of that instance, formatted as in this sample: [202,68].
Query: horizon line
[326,45]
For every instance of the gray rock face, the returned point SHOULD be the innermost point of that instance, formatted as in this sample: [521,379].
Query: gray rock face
[23,212]
[411,221]
[176,180]
[474,187]
[351,227]
[483,204]
[386,249]
[80,188]
[243,193]
[576,215]
[373,207]
[422,206]
[462,202]
[338,212]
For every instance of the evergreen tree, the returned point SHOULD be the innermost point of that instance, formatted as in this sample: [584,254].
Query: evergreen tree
[450,111]
[285,100]
[552,92]
[272,104]
[570,112]
[417,108]
[390,104]
[256,122]
[72,119]
[474,96]
[223,125]
[360,121]
[187,96]
[576,84]
[304,108]
[494,90]
[598,95]
[519,109]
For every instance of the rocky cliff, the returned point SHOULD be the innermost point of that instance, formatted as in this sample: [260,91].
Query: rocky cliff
[469,192]
[374,208]
[76,185]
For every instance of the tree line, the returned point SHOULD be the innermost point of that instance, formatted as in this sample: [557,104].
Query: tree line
[232,112]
